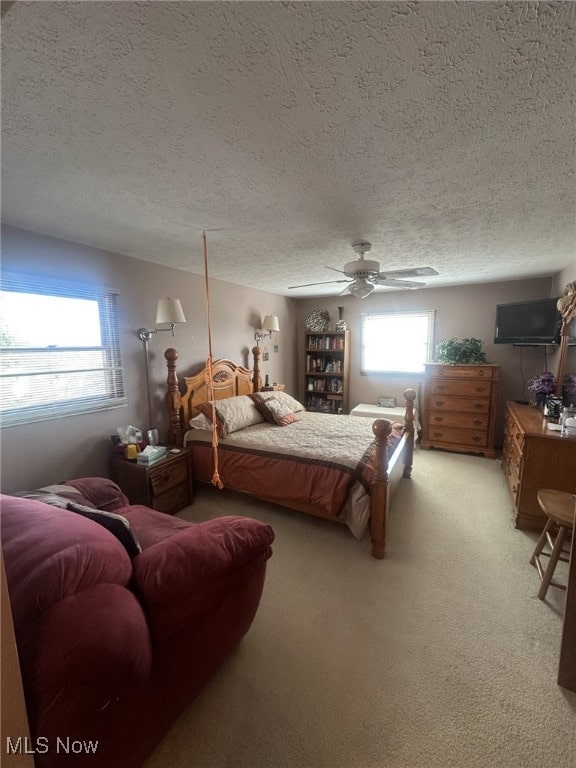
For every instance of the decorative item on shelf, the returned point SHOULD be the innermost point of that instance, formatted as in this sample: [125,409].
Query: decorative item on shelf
[460,352]
[317,321]
[569,389]
[542,385]
[341,324]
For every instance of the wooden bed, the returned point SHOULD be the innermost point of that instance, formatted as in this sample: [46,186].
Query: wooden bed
[388,465]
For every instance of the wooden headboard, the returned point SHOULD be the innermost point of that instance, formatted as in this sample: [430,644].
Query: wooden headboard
[228,380]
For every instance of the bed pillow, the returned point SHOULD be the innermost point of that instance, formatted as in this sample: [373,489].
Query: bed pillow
[232,414]
[282,397]
[276,412]
[200,422]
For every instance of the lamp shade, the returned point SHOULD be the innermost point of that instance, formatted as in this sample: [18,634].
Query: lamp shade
[169,311]
[360,288]
[270,323]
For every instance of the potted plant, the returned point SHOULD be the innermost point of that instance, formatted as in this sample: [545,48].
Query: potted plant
[460,352]
[543,384]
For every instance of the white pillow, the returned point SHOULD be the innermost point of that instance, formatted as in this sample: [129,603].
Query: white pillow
[200,422]
[233,413]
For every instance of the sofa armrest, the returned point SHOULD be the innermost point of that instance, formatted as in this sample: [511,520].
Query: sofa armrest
[92,645]
[183,577]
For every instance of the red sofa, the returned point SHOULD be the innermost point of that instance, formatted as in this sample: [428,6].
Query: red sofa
[112,647]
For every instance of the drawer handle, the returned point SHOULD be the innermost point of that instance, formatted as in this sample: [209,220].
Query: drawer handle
[476,439]
[480,373]
[440,402]
[437,434]
[440,387]
[480,389]
[478,406]
[438,418]
[477,421]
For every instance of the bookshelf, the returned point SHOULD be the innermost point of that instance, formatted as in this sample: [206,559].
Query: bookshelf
[327,371]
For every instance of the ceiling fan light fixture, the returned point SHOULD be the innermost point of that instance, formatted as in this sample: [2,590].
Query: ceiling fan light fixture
[360,288]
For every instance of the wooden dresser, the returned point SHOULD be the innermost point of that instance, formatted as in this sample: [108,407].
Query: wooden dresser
[460,407]
[533,457]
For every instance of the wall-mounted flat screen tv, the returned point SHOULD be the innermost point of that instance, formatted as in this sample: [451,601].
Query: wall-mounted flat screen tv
[530,322]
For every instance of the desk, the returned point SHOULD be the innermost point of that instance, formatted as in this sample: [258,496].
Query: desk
[372,411]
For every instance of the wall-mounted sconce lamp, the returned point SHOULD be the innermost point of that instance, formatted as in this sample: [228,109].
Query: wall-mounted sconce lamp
[269,324]
[168,311]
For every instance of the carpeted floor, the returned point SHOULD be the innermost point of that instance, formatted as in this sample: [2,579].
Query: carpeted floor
[441,655]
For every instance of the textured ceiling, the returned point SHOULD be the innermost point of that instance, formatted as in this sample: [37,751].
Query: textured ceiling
[442,132]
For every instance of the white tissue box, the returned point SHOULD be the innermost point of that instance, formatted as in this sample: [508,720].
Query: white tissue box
[151,454]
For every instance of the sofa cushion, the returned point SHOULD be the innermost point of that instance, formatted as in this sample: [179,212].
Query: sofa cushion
[183,578]
[101,492]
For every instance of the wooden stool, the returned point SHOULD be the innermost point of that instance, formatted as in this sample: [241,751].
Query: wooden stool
[560,508]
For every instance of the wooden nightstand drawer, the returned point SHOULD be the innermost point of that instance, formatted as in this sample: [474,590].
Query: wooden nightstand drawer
[165,486]
[173,499]
[162,478]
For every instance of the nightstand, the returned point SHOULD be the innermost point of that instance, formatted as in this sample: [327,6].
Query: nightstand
[165,485]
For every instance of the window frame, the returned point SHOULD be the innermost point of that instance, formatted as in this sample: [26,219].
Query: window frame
[110,367]
[373,316]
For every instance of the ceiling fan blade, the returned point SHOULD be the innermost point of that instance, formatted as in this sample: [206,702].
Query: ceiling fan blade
[416,272]
[335,270]
[326,282]
[391,282]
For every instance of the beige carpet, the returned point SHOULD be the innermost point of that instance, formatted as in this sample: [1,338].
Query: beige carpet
[439,655]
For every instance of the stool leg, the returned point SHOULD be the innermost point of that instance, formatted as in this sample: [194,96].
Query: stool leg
[556,551]
[541,541]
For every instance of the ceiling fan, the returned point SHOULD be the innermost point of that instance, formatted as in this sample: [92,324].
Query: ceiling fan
[363,275]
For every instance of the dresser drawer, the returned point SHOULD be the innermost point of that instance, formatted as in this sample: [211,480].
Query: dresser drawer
[462,388]
[163,478]
[456,437]
[459,404]
[460,371]
[458,420]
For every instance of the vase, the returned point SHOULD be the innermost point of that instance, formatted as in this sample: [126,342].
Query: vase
[540,400]
[341,324]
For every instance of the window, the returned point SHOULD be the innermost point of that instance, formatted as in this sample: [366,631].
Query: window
[59,348]
[397,342]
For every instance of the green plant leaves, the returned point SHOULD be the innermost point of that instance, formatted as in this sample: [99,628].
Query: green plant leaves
[460,352]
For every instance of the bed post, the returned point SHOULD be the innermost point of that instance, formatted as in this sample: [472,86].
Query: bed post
[379,491]
[256,379]
[409,396]
[173,400]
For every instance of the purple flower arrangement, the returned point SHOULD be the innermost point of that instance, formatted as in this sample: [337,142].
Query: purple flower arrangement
[544,383]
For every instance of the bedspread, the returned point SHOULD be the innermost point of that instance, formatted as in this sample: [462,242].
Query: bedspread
[325,460]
